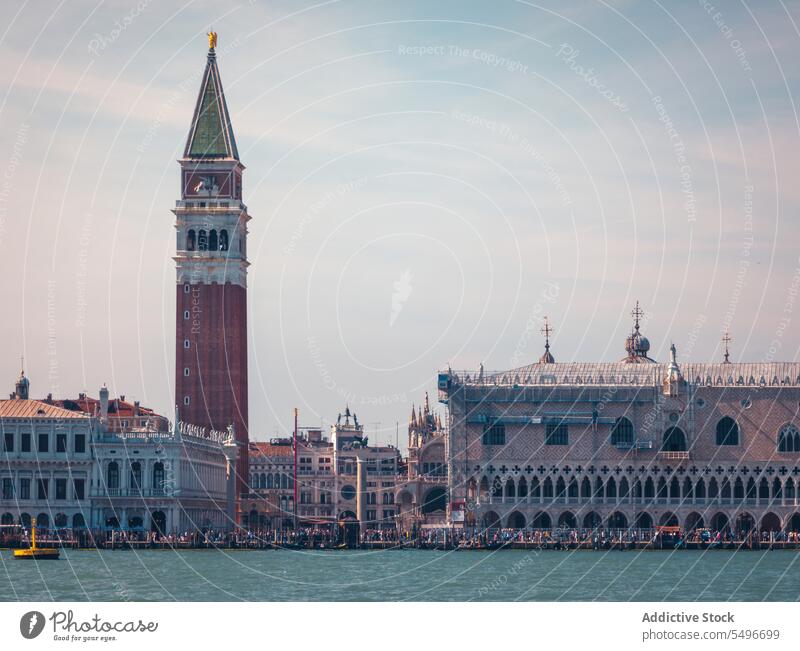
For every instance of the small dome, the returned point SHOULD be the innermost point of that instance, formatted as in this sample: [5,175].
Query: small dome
[644,344]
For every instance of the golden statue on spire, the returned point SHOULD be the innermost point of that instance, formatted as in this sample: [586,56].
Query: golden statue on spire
[212,40]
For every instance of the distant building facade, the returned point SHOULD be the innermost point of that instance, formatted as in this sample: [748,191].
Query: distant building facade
[81,468]
[422,492]
[269,501]
[47,462]
[629,444]
[327,473]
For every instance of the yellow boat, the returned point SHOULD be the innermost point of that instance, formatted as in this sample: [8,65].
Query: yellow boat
[38,553]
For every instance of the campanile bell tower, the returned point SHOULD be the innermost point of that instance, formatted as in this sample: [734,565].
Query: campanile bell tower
[211,224]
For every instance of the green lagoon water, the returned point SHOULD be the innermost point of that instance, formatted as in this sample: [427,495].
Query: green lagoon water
[403,575]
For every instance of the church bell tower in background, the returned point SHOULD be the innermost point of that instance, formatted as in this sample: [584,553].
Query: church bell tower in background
[211,319]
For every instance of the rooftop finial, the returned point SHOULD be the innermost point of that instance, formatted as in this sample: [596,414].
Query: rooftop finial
[547,330]
[726,339]
[637,313]
[636,345]
[212,39]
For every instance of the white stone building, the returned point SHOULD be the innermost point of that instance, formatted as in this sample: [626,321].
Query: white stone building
[46,462]
[173,482]
[72,470]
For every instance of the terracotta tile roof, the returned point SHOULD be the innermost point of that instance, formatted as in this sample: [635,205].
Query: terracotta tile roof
[35,409]
[116,406]
[266,449]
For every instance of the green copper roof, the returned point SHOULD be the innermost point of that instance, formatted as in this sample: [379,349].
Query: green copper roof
[211,135]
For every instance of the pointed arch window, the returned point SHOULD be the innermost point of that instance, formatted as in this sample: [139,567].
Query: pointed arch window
[788,439]
[727,431]
[223,240]
[674,440]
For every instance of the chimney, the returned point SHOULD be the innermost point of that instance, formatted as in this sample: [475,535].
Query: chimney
[135,407]
[104,404]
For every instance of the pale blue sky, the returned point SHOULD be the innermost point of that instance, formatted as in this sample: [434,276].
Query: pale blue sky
[426,179]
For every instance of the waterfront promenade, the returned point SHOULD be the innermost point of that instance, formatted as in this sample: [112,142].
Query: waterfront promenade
[443,539]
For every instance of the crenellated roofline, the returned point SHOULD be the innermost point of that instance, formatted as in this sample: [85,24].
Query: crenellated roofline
[756,374]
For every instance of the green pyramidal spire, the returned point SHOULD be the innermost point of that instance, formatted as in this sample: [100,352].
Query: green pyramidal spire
[211,135]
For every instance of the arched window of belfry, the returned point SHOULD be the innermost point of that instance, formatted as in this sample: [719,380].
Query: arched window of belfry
[223,240]
[212,240]
[190,242]
[202,240]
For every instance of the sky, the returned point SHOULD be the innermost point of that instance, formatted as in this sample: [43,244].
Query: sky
[427,181]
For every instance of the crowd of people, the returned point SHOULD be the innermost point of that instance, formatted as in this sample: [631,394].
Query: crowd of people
[349,535]
[476,538]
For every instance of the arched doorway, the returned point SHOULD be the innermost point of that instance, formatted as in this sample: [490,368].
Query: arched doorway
[158,522]
[491,520]
[674,440]
[617,520]
[744,523]
[252,518]
[794,523]
[7,519]
[60,520]
[542,521]
[135,522]
[516,520]
[668,519]
[78,521]
[592,520]
[770,522]
[694,521]
[25,520]
[435,500]
[720,522]
[567,520]
[643,521]
[43,520]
